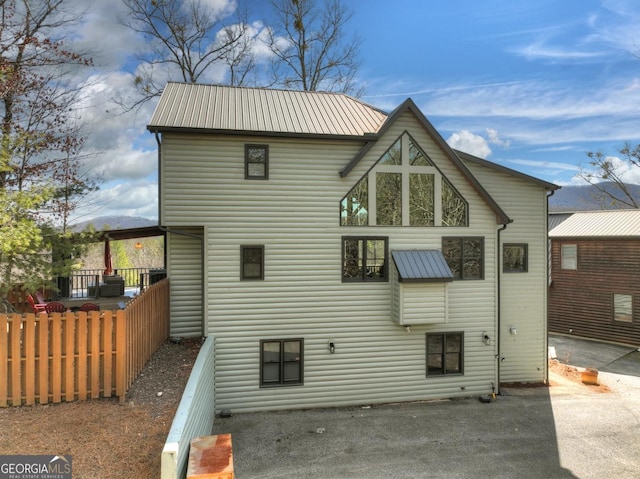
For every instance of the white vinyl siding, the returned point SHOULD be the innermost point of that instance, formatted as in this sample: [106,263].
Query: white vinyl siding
[295,215]
[523,297]
[418,303]
[184,261]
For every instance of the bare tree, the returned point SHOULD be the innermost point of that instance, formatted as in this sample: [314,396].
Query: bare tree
[37,98]
[311,48]
[186,40]
[606,174]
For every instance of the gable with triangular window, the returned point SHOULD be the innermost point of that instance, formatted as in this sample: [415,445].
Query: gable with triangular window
[404,188]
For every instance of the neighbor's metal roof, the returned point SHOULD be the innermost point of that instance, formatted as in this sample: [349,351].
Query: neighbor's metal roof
[421,265]
[214,107]
[609,223]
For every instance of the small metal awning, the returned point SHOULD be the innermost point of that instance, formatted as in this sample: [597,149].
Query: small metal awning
[420,266]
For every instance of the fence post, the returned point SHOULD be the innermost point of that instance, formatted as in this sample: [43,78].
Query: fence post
[4,357]
[121,354]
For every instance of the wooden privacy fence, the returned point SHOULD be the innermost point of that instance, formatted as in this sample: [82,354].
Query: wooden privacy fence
[68,356]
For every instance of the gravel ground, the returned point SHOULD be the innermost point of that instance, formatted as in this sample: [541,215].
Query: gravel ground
[107,439]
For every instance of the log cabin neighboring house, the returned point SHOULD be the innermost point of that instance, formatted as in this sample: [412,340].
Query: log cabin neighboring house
[342,255]
[595,276]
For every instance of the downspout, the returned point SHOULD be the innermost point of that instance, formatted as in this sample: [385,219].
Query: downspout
[499,357]
[157,135]
[202,260]
[547,284]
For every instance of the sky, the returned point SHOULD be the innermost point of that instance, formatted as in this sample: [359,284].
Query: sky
[529,85]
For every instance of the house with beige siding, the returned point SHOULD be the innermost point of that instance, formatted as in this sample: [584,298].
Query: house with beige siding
[343,255]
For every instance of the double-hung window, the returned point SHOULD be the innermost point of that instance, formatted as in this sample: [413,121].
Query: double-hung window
[281,362]
[256,162]
[251,262]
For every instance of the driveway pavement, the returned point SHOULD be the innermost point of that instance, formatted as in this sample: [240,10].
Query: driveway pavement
[525,433]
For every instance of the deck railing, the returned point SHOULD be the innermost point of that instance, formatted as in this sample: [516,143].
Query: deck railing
[83,281]
[75,356]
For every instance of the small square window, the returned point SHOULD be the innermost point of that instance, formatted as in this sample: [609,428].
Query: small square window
[445,354]
[256,162]
[623,308]
[252,262]
[465,256]
[281,362]
[569,256]
[514,258]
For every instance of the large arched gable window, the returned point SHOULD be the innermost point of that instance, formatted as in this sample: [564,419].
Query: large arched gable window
[404,188]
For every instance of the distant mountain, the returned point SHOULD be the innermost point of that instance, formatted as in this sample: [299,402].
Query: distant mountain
[588,198]
[115,223]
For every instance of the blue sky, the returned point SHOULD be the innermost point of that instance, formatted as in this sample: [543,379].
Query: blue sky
[530,85]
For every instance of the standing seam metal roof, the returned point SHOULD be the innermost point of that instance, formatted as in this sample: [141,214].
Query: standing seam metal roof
[214,107]
[421,265]
[608,223]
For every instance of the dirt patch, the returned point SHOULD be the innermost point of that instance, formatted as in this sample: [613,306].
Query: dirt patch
[107,439]
[567,379]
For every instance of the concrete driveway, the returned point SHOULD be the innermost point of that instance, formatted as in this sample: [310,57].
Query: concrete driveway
[539,432]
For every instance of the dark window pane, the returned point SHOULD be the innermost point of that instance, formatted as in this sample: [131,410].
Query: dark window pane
[434,364]
[292,351]
[514,258]
[417,157]
[256,169]
[452,251]
[364,259]
[252,262]
[421,211]
[453,363]
[393,156]
[375,258]
[389,198]
[352,260]
[444,354]
[454,207]
[464,257]
[292,372]
[434,343]
[354,207]
[271,373]
[256,161]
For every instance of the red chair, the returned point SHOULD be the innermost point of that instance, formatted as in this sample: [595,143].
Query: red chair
[55,307]
[89,307]
[37,307]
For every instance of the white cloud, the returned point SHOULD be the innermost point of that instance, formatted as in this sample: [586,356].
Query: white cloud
[494,138]
[470,143]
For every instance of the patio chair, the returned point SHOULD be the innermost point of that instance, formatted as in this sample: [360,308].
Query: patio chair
[37,307]
[55,307]
[89,307]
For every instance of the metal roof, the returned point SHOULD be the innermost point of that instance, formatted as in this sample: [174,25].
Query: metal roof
[261,110]
[421,265]
[608,223]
